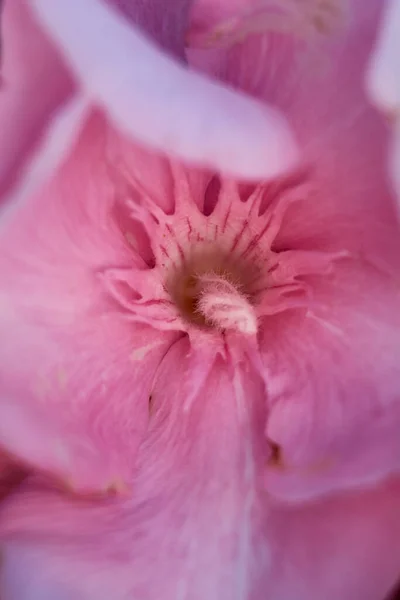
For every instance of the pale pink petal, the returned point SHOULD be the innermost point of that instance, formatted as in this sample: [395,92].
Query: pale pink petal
[344,547]
[383,75]
[333,378]
[383,80]
[193,526]
[159,102]
[34,84]
[74,383]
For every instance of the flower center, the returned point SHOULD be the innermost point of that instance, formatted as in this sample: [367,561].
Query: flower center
[216,273]
[215,294]
[223,305]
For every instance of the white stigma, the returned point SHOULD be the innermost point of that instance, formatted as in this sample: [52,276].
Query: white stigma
[223,306]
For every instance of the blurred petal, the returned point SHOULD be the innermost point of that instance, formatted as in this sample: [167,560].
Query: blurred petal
[34,84]
[165,105]
[383,81]
[383,75]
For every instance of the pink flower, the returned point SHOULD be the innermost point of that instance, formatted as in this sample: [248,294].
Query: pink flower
[211,366]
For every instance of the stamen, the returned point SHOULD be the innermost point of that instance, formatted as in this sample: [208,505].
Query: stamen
[224,306]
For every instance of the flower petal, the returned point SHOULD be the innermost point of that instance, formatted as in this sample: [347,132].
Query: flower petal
[334,385]
[345,547]
[383,80]
[165,105]
[383,75]
[192,528]
[31,69]
[74,394]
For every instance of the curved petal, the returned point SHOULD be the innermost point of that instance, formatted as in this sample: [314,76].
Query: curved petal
[334,385]
[34,84]
[192,528]
[383,80]
[383,75]
[75,374]
[165,105]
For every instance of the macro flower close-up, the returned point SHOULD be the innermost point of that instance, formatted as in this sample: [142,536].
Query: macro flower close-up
[200,290]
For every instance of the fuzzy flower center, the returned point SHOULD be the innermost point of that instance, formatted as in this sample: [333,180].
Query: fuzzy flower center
[215,298]
[219,273]
[224,306]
